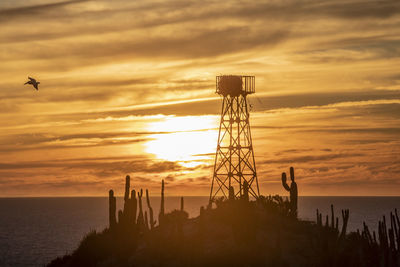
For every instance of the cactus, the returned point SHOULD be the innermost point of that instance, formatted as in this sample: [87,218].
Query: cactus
[112,209]
[367,234]
[231,193]
[182,204]
[133,206]
[140,219]
[392,243]
[382,233]
[332,217]
[292,190]
[152,222]
[393,223]
[395,226]
[126,211]
[397,218]
[127,186]
[319,218]
[161,214]
[345,217]
[246,191]
[319,223]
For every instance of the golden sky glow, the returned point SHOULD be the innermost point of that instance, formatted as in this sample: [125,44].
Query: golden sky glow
[127,87]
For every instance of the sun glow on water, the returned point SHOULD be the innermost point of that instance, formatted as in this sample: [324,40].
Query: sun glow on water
[189,140]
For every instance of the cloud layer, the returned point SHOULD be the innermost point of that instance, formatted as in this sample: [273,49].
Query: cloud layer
[327,92]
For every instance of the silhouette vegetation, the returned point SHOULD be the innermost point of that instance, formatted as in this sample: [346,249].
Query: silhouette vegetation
[237,231]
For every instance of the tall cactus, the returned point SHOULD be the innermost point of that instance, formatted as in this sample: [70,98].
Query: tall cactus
[112,209]
[151,217]
[395,224]
[140,219]
[319,218]
[133,206]
[383,234]
[127,186]
[161,214]
[126,210]
[292,189]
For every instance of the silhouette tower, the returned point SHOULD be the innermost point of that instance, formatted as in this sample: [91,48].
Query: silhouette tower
[234,159]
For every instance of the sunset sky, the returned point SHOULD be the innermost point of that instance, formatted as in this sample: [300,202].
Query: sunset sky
[128,87]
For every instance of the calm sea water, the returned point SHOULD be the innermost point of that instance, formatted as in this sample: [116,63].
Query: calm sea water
[33,231]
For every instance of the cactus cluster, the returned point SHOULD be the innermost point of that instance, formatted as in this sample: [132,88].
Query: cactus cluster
[129,216]
[134,216]
[386,244]
[334,222]
[388,239]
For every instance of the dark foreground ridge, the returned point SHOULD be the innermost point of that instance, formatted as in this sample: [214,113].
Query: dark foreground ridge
[237,232]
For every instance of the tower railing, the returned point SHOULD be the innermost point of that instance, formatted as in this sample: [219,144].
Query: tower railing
[235,85]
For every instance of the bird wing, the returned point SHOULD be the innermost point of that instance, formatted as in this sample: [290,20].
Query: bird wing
[33,80]
[36,86]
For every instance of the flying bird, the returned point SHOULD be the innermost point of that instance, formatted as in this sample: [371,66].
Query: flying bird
[33,82]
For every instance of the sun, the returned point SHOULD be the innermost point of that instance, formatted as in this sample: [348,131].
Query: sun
[188,140]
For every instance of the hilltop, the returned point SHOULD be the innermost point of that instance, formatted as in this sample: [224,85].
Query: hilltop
[236,232]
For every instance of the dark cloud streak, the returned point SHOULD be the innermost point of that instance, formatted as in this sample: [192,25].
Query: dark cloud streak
[33,10]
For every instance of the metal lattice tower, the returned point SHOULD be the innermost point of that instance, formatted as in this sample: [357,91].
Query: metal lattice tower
[234,158]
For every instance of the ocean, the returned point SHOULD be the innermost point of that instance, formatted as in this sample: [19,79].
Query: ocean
[33,231]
